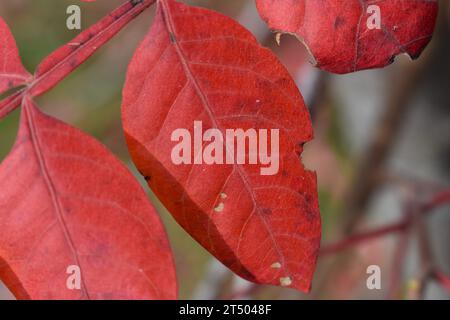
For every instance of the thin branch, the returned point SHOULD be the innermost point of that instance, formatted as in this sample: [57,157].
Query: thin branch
[67,58]
[397,265]
[442,279]
[401,249]
[359,238]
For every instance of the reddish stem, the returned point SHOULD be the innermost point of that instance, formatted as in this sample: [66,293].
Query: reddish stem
[364,237]
[67,58]
[10,103]
[397,265]
[438,200]
[442,279]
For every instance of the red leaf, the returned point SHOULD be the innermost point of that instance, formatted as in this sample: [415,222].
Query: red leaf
[65,200]
[337,32]
[196,64]
[12,72]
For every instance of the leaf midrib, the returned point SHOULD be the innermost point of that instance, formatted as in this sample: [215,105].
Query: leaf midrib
[35,140]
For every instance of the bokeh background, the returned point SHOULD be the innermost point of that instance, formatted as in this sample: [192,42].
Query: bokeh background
[382,147]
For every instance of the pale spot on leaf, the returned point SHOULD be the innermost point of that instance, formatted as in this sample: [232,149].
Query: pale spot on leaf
[285,281]
[219,207]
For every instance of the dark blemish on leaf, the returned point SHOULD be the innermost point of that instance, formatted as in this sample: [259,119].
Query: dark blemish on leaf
[310,216]
[284,173]
[391,59]
[266,211]
[172,37]
[147,178]
[339,22]
[100,250]
[283,82]
[308,198]
[264,85]
[73,63]
[136,2]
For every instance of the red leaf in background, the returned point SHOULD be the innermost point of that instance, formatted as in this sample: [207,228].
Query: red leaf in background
[196,64]
[12,72]
[337,33]
[65,200]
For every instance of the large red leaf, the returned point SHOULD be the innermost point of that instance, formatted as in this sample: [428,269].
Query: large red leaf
[66,201]
[198,65]
[338,35]
[12,72]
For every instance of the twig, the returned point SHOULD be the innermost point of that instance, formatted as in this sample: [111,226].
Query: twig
[359,238]
[399,255]
[70,56]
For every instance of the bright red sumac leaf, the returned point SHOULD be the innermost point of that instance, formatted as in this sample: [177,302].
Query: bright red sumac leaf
[337,32]
[12,72]
[66,201]
[198,65]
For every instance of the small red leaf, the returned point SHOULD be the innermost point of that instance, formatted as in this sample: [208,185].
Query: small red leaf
[66,201]
[352,35]
[198,65]
[12,72]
